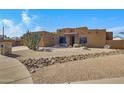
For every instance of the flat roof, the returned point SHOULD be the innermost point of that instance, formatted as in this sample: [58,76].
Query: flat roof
[71,33]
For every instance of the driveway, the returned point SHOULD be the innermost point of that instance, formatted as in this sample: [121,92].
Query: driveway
[17,48]
[13,72]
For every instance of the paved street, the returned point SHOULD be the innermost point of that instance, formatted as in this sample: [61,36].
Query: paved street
[102,81]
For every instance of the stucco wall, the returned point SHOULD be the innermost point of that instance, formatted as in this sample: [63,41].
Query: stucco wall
[47,39]
[109,35]
[17,42]
[116,43]
[96,38]
[5,47]
[81,30]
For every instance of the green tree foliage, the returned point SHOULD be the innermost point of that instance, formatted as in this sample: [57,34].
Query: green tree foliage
[121,33]
[31,40]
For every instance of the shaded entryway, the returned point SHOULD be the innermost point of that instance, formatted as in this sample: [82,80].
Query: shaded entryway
[72,40]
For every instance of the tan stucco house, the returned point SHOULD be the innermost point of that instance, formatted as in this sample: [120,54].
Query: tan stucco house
[71,36]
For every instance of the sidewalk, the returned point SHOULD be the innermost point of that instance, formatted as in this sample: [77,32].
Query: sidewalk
[102,81]
[13,72]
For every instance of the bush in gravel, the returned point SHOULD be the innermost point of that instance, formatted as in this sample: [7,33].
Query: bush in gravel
[31,40]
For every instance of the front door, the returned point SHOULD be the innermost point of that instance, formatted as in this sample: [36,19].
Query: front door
[72,40]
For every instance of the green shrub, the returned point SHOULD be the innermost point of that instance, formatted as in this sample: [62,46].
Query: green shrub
[31,40]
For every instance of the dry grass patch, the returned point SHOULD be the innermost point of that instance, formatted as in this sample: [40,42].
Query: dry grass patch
[90,69]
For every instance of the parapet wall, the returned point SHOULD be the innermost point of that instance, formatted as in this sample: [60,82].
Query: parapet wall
[17,42]
[47,39]
[5,47]
[116,44]
[109,35]
[96,38]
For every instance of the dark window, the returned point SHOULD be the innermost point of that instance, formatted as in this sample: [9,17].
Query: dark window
[83,40]
[62,40]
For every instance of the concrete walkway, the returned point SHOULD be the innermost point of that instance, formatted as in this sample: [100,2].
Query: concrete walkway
[102,81]
[17,48]
[13,72]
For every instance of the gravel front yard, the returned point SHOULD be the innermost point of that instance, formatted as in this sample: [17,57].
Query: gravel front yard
[90,69]
[25,53]
[108,66]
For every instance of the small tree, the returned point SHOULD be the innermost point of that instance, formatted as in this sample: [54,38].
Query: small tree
[31,40]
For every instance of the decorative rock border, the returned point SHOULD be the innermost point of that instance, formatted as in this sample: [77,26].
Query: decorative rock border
[34,64]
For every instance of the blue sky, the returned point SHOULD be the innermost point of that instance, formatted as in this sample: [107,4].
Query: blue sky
[17,22]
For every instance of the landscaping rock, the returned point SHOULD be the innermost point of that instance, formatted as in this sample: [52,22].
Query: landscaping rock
[32,71]
[33,64]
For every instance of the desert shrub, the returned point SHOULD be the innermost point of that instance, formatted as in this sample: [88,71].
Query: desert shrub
[31,40]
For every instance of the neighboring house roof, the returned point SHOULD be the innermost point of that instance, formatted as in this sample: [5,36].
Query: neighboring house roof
[117,38]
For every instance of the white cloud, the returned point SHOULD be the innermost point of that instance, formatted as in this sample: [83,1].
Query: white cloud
[25,18]
[10,25]
[119,28]
[28,19]
[11,28]
[38,28]
[7,22]
[116,30]
[17,29]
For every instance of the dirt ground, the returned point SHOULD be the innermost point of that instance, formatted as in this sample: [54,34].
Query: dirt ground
[90,69]
[23,52]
